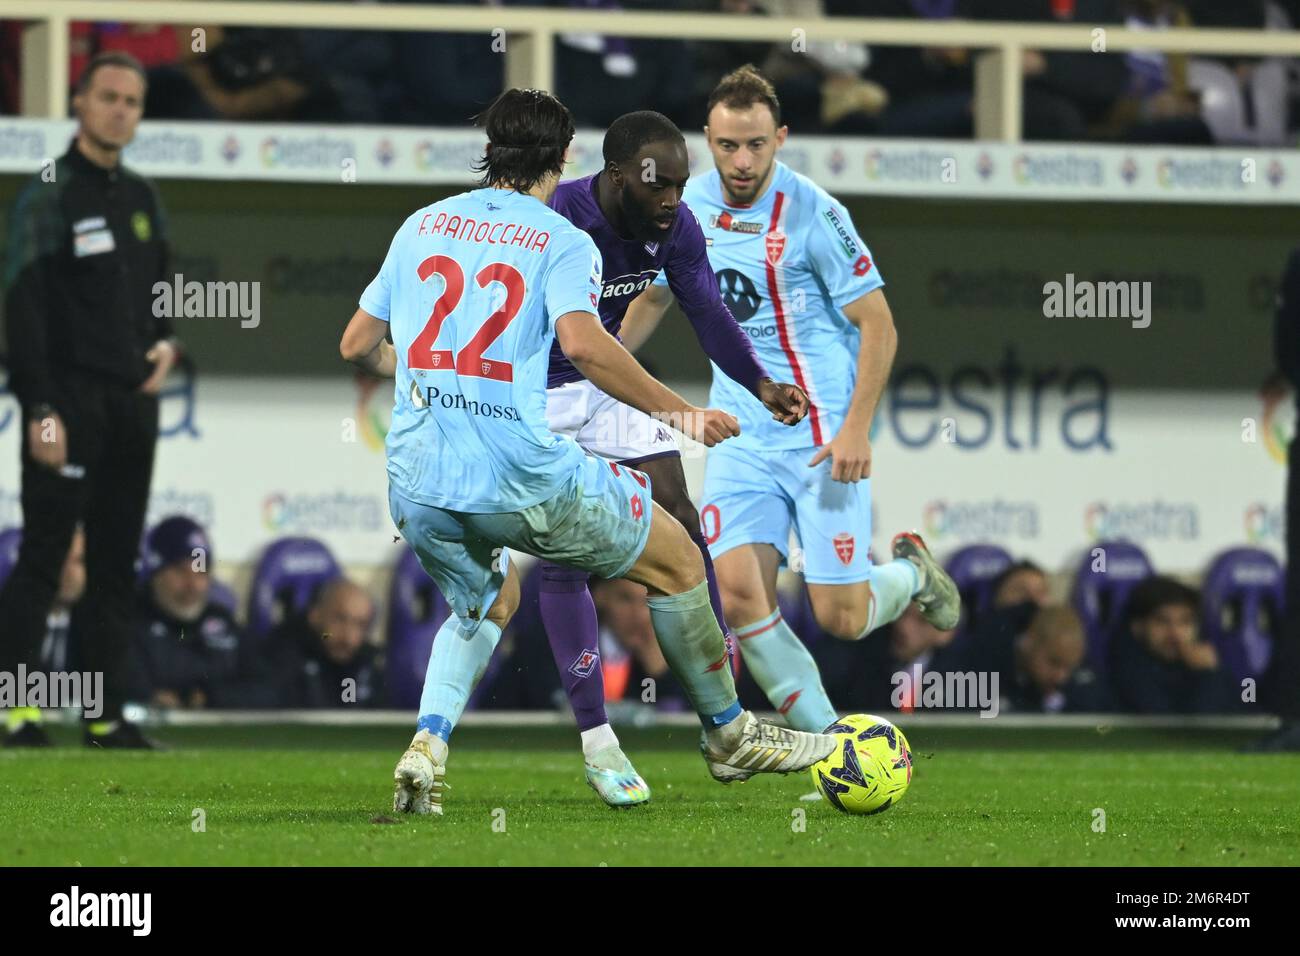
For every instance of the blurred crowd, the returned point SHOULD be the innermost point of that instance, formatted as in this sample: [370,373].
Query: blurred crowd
[190,651]
[205,71]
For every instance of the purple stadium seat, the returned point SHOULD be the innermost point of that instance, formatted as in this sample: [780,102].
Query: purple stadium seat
[287,575]
[974,569]
[1242,603]
[10,539]
[1099,595]
[416,611]
[223,595]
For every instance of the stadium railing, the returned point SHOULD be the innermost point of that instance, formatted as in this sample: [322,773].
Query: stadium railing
[530,35]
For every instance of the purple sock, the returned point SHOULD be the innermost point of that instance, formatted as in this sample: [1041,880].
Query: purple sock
[715,597]
[569,616]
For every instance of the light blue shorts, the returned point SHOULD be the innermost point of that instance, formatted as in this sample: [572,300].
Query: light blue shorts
[759,497]
[598,521]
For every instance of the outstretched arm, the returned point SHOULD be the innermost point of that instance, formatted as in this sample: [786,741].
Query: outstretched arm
[610,367]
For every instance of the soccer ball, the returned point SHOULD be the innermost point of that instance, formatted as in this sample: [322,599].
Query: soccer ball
[870,771]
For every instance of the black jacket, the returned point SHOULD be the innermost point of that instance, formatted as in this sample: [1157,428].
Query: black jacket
[306,679]
[1286,325]
[85,248]
[211,654]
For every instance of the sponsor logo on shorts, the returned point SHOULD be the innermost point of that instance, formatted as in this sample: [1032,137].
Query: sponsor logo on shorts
[585,663]
[844,547]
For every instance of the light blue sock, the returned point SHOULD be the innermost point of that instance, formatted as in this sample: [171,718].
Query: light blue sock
[693,646]
[782,666]
[893,586]
[455,666]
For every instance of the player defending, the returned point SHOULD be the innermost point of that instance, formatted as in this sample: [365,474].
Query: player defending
[474,289]
[633,211]
[804,287]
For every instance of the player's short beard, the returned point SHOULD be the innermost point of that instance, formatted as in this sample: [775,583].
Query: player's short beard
[642,229]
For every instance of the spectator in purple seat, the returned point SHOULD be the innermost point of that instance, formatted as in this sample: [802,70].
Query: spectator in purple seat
[1158,663]
[322,658]
[1021,583]
[1038,655]
[188,651]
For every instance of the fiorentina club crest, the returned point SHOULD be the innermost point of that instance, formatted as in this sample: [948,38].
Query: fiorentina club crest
[775,243]
[585,663]
[844,546]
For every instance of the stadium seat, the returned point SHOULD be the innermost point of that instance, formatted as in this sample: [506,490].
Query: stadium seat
[1242,604]
[10,539]
[974,568]
[289,572]
[1100,591]
[416,611]
[223,595]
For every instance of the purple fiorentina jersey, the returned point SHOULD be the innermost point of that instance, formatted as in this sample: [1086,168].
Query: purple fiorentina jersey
[630,266]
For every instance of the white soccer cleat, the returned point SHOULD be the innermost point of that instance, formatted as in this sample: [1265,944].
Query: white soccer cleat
[748,746]
[613,777]
[418,781]
[938,599]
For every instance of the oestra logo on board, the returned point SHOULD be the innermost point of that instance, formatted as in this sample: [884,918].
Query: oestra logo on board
[1264,523]
[1144,521]
[990,518]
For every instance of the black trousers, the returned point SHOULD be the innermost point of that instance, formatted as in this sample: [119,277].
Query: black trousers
[111,432]
[1281,688]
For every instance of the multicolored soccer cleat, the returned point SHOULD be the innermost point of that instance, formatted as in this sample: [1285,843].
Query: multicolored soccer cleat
[613,777]
[761,747]
[938,599]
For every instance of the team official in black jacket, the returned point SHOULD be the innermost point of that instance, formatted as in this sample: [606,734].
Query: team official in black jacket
[86,356]
[188,650]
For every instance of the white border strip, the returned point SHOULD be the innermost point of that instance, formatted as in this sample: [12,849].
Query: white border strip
[940,169]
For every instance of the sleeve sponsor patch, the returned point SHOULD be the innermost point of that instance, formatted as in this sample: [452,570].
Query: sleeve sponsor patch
[844,237]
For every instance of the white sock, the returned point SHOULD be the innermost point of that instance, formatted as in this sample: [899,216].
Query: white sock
[597,739]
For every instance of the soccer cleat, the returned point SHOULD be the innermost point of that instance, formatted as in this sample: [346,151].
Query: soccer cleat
[417,781]
[27,734]
[938,599]
[613,777]
[119,735]
[755,746]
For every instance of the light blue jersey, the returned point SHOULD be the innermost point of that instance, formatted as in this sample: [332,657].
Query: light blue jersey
[471,288]
[786,266]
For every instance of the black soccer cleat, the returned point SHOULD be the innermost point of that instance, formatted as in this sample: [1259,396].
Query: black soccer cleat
[124,736]
[28,734]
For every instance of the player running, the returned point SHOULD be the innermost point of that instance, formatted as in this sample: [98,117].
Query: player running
[474,290]
[633,211]
[804,287]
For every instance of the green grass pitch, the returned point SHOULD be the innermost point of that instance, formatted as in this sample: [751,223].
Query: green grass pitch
[311,796]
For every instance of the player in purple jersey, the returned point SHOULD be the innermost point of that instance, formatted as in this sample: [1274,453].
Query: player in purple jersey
[633,211]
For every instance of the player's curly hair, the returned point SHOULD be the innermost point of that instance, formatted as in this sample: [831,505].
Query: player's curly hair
[742,88]
[528,133]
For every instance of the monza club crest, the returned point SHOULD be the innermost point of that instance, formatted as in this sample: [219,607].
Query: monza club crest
[844,547]
[775,243]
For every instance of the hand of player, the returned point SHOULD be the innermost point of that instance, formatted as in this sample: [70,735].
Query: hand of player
[787,403]
[163,355]
[850,454]
[709,426]
[48,441]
